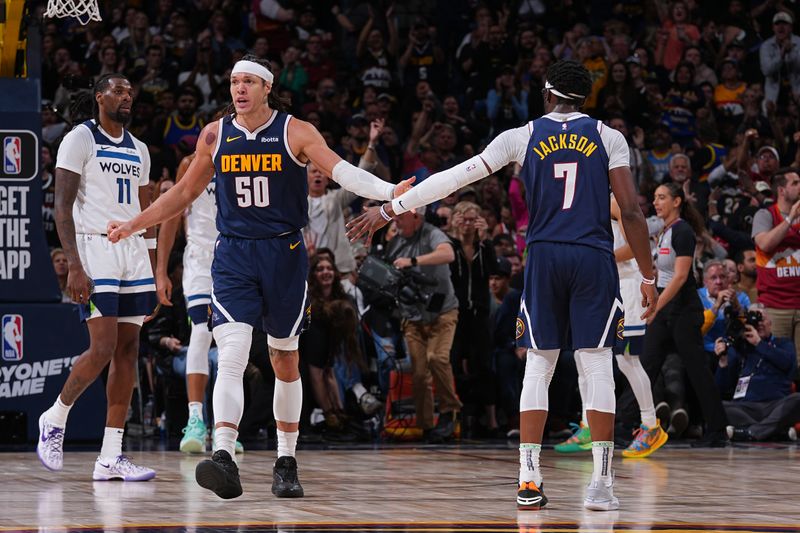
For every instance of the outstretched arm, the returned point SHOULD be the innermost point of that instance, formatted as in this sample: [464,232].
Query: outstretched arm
[307,143]
[179,197]
[507,147]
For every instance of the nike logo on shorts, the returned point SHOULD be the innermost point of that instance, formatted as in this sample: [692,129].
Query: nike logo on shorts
[295,245]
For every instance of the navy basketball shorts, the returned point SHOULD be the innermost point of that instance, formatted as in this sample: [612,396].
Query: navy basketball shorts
[261,282]
[571,298]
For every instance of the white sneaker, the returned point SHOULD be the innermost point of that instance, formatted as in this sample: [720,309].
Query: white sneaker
[120,468]
[50,446]
[600,496]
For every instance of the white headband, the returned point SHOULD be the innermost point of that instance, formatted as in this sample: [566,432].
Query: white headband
[251,67]
[568,96]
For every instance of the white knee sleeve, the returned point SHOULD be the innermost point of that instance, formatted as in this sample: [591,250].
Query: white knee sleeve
[197,353]
[233,342]
[598,370]
[289,344]
[581,386]
[634,372]
[539,370]
[287,402]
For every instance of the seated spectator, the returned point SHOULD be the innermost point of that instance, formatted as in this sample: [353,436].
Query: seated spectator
[61,266]
[330,346]
[746,265]
[756,373]
[717,296]
[169,333]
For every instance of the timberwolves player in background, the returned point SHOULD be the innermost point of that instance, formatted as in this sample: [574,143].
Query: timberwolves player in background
[101,172]
[571,298]
[259,154]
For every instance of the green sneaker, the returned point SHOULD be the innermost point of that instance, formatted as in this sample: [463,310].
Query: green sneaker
[580,441]
[238,448]
[194,436]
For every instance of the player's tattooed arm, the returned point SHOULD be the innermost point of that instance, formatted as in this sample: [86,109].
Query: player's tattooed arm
[79,286]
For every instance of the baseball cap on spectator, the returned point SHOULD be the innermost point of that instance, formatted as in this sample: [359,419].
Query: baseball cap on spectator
[782,16]
[357,120]
[466,191]
[770,149]
[376,77]
[502,268]
[763,187]
[737,43]
[387,96]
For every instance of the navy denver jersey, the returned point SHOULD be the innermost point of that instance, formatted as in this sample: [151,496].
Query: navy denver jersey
[262,189]
[566,179]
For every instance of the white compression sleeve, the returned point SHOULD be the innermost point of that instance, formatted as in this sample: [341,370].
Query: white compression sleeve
[598,369]
[197,353]
[361,182]
[539,369]
[233,340]
[507,147]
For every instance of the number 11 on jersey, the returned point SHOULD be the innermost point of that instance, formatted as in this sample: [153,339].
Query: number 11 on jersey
[569,173]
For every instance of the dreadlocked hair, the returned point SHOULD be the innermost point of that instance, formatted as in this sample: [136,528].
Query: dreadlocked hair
[100,86]
[273,100]
[570,78]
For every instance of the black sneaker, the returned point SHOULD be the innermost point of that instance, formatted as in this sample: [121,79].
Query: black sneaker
[445,427]
[714,439]
[530,497]
[284,478]
[741,435]
[220,475]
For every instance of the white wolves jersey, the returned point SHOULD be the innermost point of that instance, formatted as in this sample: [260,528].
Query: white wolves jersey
[201,220]
[111,170]
[627,269]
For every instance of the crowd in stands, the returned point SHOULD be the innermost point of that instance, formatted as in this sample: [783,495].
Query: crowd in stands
[706,93]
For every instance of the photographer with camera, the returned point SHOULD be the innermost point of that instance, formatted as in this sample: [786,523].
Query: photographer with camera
[720,300]
[429,327]
[757,374]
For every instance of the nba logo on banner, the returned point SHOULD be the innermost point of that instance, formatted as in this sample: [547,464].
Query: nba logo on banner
[12,337]
[12,155]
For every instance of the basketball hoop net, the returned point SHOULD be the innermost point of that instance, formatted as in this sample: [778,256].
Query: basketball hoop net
[83,10]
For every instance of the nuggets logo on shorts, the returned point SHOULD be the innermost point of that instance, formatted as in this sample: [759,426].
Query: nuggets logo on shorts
[520,328]
[620,327]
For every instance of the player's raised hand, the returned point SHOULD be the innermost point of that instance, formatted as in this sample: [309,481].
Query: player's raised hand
[368,222]
[404,186]
[117,230]
[79,285]
[649,301]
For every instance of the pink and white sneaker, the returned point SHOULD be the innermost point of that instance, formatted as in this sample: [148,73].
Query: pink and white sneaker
[121,468]
[50,446]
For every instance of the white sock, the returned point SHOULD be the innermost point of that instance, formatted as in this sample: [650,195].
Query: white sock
[196,409]
[631,366]
[529,463]
[225,439]
[287,443]
[359,390]
[57,414]
[112,443]
[602,453]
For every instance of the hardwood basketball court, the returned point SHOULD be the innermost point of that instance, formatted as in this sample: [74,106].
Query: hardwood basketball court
[743,488]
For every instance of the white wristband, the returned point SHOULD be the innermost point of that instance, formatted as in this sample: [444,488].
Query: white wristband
[384,214]
[648,281]
[152,244]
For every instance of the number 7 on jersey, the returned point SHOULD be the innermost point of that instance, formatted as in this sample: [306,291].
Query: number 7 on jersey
[569,173]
